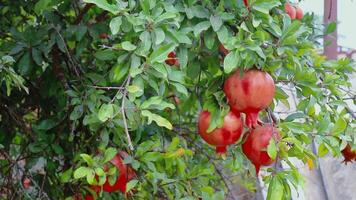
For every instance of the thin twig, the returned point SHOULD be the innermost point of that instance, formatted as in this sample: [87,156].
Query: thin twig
[124,116]
[106,88]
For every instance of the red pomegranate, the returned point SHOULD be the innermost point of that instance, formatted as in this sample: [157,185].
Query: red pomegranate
[299,12]
[172,59]
[349,154]
[290,10]
[222,50]
[228,134]
[255,146]
[26,182]
[126,173]
[249,93]
[89,197]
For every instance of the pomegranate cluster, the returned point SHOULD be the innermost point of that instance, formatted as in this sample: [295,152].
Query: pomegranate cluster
[247,92]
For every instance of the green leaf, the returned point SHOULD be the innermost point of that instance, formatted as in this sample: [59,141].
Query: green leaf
[275,189]
[106,112]
[103,4]
[115,24]
[99,171]
[202,26]
[128,46]
[272,149]
[87,158]
[131,184]
[322,150]
[109,154]
[291,30]
[180,88]
[331,27]
[81,172]
[160,121]
[159,33]
[161,53]
[265,6]
[216,22]
[66,175]
[105,55]
[231,62]
[118,72]
[339,126]
[156,102]
[25,66]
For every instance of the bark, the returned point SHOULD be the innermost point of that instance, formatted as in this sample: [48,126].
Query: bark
[330,40]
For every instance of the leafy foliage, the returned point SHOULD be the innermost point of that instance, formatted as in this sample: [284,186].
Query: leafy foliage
[81,81]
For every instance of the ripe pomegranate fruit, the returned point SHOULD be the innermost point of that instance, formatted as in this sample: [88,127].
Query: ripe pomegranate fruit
[89,197]
[290,10]
[255,146]
[103,35]
[299,12]
[222,50]
[172,59]
[126,173]
[228,134]
[26,182]
[249,93]
[348,154]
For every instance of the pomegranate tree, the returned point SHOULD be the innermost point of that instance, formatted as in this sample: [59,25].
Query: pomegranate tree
[228,134]
[249,93]
[349,154]
[255,146]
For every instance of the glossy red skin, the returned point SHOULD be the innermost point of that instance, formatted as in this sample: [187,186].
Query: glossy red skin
[228,134]
[172,60]
[249,93]
[299,12]
[255,146]
[89,197]
[222,50]
[290,10]
[125,175]
[26,183]
[348,154]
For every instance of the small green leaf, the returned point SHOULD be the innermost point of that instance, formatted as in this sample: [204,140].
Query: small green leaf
[103,4]
[275,189]
[109,154]
[339,126]
[87,158]
[161,53]
[231,62]
[115,25]
[322,150]
[66,175]
[216,22]
[106,112]
[202,26]
[128,46]
[99,171]
[159,34]
[331,28]
[131,184]
[160,121]
[81,172]
[272,149]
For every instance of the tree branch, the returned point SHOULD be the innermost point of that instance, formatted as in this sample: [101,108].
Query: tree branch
[124,116]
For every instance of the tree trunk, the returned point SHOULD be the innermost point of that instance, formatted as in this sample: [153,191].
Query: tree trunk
[330,40]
